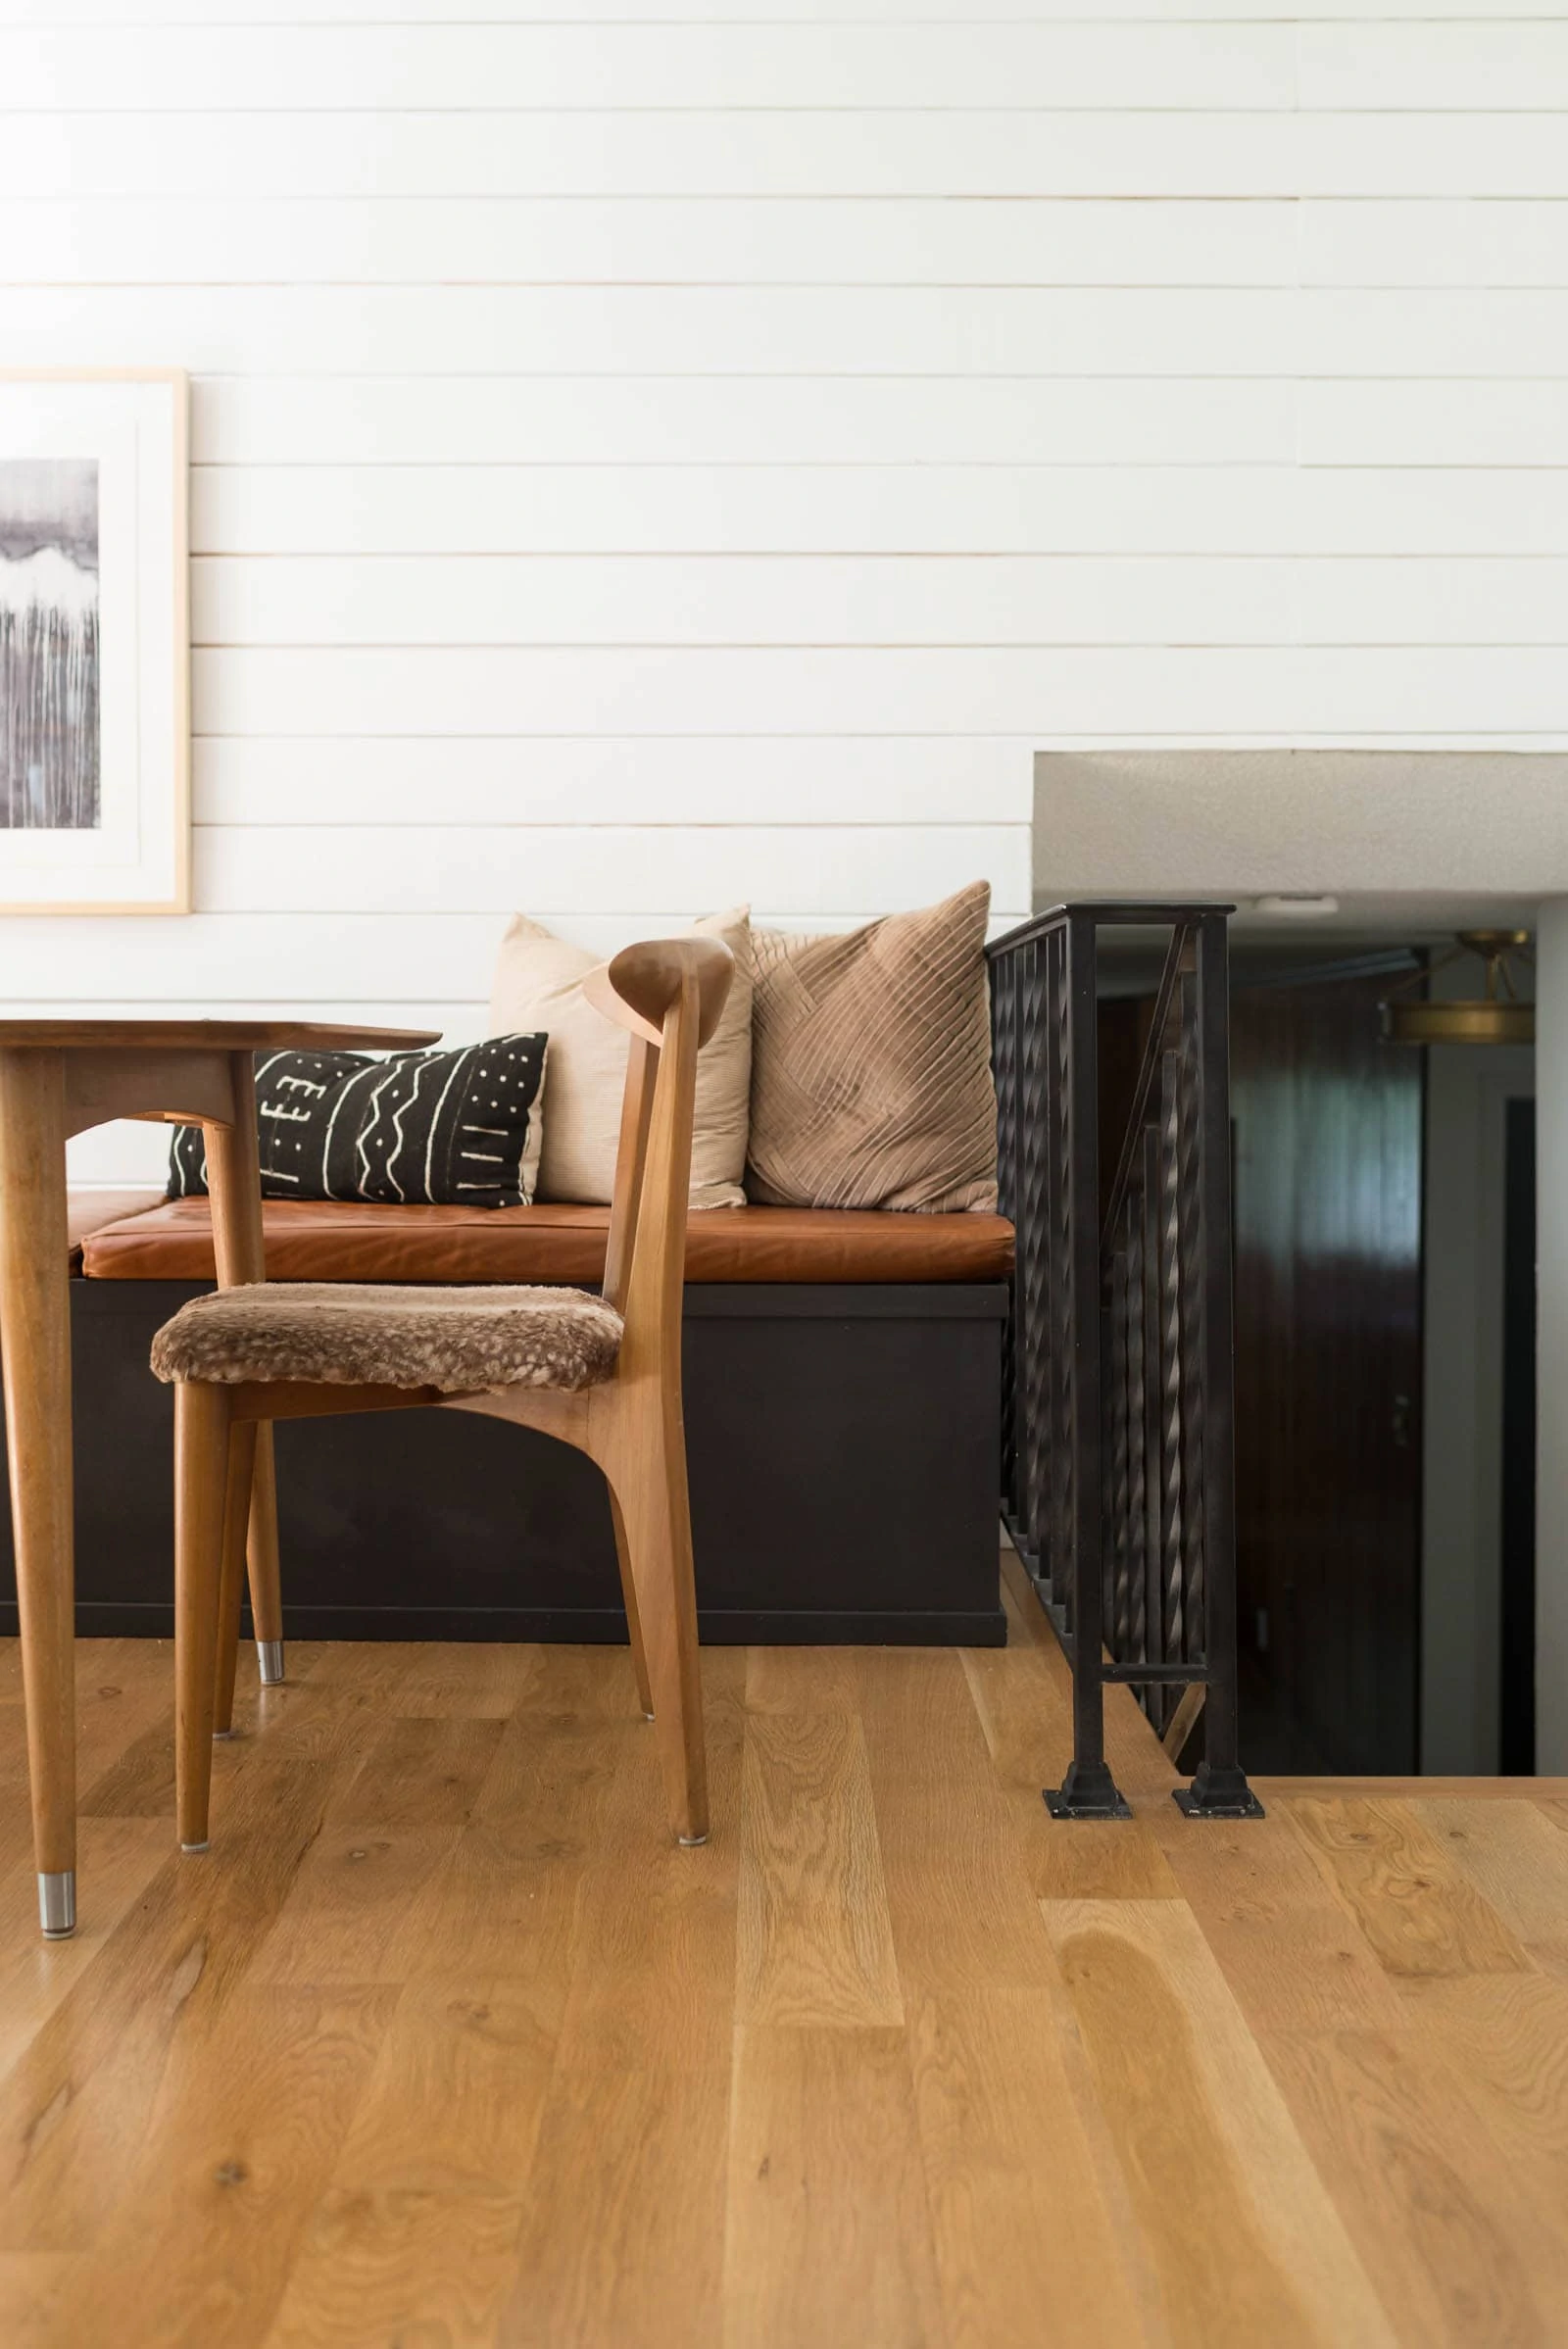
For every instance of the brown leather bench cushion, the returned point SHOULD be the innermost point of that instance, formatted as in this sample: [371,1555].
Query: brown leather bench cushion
[88,1210]
[321,1240]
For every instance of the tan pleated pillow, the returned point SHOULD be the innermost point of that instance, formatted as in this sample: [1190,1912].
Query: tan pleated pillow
[871,1064]
[586,1065]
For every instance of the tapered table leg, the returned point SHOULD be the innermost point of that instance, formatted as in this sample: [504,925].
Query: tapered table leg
[234,1179]
[35,1344]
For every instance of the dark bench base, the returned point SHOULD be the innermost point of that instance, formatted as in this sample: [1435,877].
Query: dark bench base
[842,1444]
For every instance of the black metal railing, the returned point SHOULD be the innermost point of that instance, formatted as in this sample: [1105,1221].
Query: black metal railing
[1118,1422]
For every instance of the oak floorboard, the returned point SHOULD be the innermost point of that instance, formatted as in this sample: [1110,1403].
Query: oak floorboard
[974,1921]
[1034,2231]
[1436,2212]
[1014,1696]
[120,1861]
[76,2104]
[828,2234]
[206,2225]
[415,2237]
[1418,1910]
[31,2285]
[623,2238]
[1287,1943]
[1504,2036]
[816,1940]
[1247,2243]
[1517,1861]
[893,2059]
[417,1772]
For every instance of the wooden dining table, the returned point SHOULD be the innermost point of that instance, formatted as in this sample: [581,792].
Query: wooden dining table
[57,1078]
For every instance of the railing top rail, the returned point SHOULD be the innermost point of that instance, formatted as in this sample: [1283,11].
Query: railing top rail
[1110,913]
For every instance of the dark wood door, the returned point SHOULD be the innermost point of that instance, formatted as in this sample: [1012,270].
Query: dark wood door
[1328,1124]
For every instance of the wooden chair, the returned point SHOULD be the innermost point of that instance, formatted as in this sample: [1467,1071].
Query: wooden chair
[600,1373]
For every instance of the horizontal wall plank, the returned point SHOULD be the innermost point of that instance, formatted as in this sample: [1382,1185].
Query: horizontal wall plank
[866,600]
[386,14]
[1431,600]
[807,330]
[1501,243]
[665,241]
[990,154]
[1434,68]
[1087,689]
[1412,423]
[875,510]
[293,69]
[693,599]
[308,959]
[578,869]
[736,419]
[1046,242]
[825,781]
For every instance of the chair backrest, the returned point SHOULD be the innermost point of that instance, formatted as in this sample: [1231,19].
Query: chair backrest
[669,992]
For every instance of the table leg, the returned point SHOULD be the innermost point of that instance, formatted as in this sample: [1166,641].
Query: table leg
[235,1180]
[35,1344]
[266,1577]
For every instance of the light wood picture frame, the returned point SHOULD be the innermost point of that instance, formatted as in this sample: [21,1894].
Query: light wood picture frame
[94,640]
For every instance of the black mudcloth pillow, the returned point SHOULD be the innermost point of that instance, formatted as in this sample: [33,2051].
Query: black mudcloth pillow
[456,1128]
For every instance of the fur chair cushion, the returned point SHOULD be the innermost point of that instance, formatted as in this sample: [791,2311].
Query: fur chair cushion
[340,1333]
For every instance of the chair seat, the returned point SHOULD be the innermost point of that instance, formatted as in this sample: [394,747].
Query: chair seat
[339,1334]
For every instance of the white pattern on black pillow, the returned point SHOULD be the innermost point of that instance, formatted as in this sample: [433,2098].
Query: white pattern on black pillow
[455,1128]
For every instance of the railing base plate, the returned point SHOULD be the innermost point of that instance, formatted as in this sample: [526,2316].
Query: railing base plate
[1091,1794]
[1224,1794]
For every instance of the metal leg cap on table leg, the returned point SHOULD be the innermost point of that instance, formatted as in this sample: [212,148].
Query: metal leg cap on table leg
[56,1903]
[269,1655]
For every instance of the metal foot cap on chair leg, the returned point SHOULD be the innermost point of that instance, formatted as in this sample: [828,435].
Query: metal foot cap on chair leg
[690,1842]
[56,1903]
[193,1848]
[269,1655]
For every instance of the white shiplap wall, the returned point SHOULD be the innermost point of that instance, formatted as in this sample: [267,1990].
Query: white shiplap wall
[703,454]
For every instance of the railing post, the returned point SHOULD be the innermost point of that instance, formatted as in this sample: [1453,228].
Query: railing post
[1088,1791]
[1220,1790]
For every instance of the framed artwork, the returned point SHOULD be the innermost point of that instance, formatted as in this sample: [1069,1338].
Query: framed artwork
[95,644]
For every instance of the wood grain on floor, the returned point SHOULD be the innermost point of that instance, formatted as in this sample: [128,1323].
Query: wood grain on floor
[444,2044]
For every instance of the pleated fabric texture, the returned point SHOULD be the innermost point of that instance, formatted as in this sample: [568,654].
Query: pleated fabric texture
[871,1064]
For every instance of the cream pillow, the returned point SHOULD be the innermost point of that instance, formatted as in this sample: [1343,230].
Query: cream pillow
[541,974]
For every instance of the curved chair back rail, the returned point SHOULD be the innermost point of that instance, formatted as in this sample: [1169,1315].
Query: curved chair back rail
[668,994]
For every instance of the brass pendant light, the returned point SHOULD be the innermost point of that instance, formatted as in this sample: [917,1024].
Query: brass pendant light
[1497,1016]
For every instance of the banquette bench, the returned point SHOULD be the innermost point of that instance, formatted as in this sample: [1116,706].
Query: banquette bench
[842,1400]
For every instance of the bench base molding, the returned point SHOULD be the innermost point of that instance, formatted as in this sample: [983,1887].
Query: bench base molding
[842,1444]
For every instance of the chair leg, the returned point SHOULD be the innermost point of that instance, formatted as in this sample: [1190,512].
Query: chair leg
[237,1517]
[267,1588]
[628,1591]
[656,1516]
[201,1468]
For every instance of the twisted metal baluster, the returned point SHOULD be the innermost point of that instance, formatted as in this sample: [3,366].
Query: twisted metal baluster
[1192,1318]
[1003,1053]
[1116,1488]
[1154,1487]
[1133,1254]
[1064,1348]
[1170,1358]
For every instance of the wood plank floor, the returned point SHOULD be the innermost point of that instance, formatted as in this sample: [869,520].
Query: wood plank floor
[445,2043]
